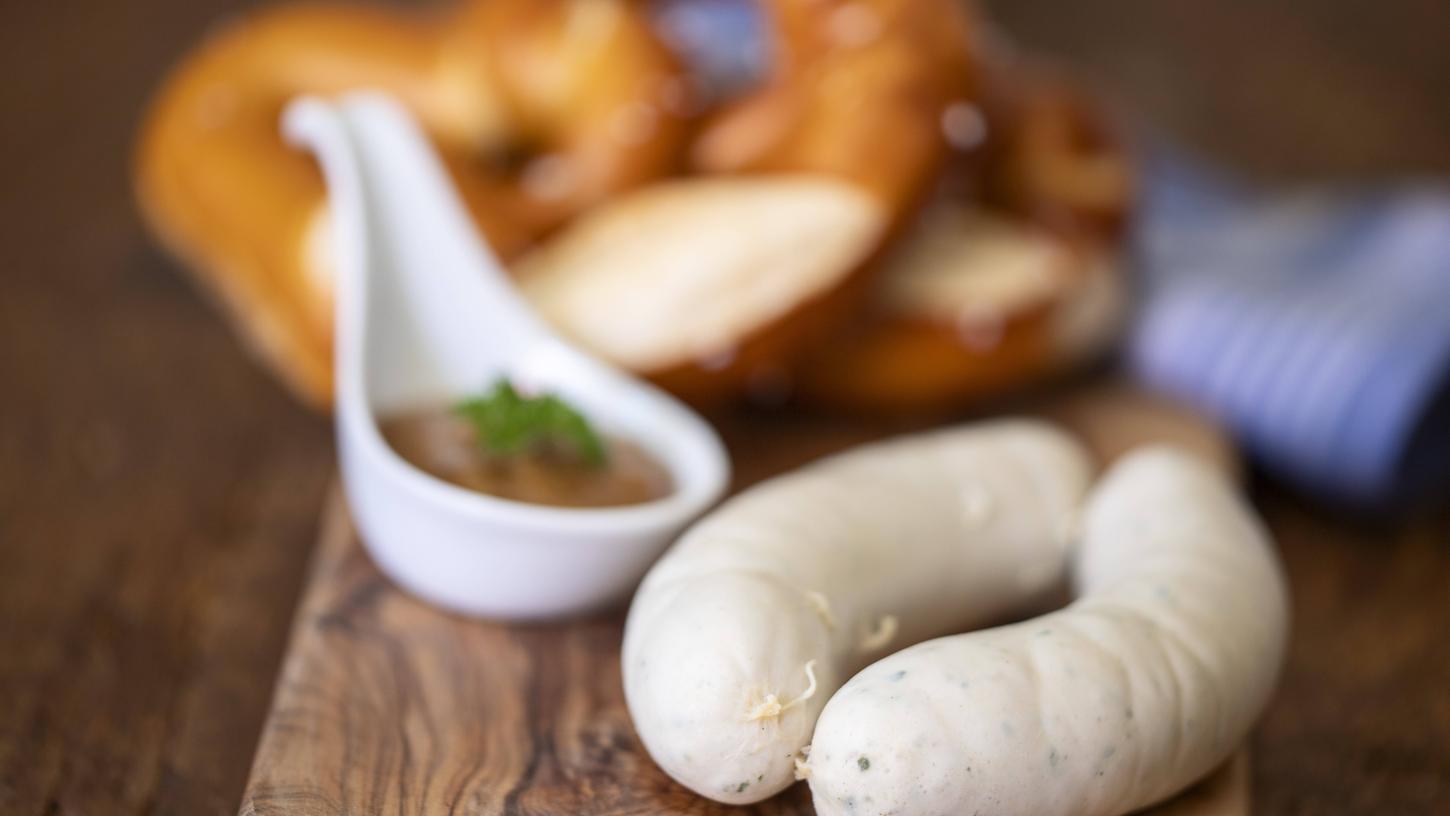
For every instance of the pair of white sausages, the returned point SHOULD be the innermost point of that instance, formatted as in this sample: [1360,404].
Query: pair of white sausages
[754,620]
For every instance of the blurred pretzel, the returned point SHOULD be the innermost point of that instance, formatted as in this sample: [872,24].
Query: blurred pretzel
[858,91]
[540,108]
[1005,283]
[798,188]
[1053,155]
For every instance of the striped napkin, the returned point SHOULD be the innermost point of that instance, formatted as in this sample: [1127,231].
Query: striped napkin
[1316,325]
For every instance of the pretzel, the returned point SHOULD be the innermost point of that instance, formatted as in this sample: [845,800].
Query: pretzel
[1054,158]
[1002,287]
[540,108]
[713,284]
[858,91]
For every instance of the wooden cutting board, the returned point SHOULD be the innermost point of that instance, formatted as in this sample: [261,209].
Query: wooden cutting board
[385,705]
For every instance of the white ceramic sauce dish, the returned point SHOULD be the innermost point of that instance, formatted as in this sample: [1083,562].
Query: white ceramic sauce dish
[426,315]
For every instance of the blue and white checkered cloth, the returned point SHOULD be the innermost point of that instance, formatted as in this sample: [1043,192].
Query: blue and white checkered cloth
[1316,325]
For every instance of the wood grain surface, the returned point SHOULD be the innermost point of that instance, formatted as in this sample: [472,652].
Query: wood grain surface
[386,705]
[159,494]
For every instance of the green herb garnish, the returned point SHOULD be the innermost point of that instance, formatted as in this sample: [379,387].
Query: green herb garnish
[509,423]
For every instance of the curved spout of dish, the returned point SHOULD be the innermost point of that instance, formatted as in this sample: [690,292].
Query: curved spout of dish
[425,310]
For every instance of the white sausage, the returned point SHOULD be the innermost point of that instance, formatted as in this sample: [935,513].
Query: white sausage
[1117,702]
[739,635]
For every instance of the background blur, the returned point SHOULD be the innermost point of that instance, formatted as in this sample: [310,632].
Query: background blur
[158,491]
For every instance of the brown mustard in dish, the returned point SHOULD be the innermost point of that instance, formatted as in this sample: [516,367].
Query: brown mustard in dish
[446,445]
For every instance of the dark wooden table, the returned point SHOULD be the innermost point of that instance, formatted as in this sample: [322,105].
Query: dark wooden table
[159,494]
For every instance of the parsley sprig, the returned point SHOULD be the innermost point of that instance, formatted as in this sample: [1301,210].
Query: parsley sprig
[509,423]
